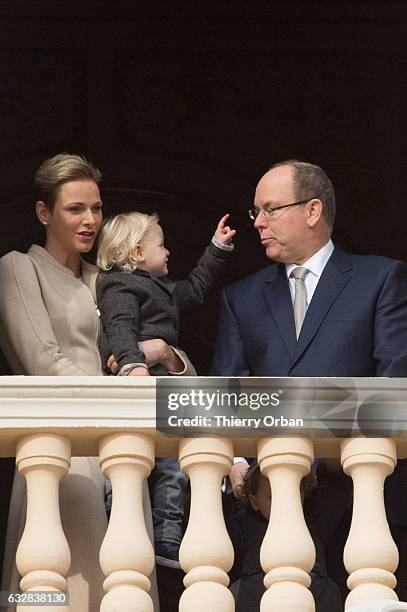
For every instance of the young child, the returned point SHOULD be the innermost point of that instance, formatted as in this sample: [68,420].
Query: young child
[138,302]
[247,529]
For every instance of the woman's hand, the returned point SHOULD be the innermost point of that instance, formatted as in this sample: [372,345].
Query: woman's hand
[155,351]
[139,372]
[158,351]
[224,233]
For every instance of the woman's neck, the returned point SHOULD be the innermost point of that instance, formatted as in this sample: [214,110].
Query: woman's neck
[72,261]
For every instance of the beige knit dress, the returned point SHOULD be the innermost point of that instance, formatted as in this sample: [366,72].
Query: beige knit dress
[49,326]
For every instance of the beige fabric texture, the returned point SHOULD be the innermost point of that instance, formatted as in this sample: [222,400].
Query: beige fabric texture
[49,327]
[49,323]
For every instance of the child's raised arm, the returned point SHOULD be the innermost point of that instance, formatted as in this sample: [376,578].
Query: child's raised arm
[209,268]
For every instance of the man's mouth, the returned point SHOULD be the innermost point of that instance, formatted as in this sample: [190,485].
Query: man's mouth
[267,240]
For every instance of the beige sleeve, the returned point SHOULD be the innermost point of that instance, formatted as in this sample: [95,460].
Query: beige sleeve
[188,368]
[27,337]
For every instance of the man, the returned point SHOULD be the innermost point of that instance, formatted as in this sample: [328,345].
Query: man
[317,311]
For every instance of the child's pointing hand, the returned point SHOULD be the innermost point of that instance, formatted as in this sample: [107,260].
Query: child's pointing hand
[224,233]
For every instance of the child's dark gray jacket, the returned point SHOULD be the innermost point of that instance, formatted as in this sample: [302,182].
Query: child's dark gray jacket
[136,306]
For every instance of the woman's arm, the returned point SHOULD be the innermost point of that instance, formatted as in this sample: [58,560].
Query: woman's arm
[156,351]
[27,338]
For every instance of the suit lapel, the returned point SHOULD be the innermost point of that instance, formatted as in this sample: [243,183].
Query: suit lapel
[337,273]
[277,295]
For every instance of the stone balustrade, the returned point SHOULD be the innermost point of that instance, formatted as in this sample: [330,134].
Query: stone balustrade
[45,421]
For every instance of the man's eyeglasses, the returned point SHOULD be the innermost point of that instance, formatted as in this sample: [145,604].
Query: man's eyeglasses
[268,211]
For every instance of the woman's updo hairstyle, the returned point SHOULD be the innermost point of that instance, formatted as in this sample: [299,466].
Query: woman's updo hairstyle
[60,169]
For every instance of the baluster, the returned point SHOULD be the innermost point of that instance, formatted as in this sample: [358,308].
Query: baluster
[126,554]
[370,555]
[287,553]
[43,556]
[206,552]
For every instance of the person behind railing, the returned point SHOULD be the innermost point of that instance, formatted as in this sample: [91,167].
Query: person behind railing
[49,327]
[138,302]
[247,528]
[325,312]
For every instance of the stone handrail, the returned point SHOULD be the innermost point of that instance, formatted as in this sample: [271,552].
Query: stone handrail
[44,421]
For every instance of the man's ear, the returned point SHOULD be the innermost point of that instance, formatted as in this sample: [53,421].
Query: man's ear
[42,212]
[314,208]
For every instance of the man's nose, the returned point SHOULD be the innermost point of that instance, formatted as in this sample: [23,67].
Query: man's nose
[259,221]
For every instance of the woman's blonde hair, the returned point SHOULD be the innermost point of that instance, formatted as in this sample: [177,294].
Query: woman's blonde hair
[119,238]
[61,169]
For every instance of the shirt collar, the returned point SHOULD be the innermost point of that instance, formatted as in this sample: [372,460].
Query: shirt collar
[142,272]
[316,263]
[164,282]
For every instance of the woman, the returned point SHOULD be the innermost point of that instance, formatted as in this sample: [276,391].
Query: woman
[49,327]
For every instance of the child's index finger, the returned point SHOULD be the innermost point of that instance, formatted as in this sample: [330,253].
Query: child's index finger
[222,222]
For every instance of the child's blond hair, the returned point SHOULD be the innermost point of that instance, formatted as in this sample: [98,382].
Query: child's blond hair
[119,238]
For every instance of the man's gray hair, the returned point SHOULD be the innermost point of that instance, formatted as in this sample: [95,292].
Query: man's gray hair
[311,181]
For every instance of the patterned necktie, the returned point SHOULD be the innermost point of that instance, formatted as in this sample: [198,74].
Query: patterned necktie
[300,299]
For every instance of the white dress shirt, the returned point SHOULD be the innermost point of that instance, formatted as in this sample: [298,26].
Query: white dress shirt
[315,265]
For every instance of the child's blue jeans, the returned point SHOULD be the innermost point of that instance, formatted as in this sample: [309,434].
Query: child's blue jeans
[169,501]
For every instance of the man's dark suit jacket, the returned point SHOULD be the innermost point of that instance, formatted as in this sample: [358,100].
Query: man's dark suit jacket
[355,325]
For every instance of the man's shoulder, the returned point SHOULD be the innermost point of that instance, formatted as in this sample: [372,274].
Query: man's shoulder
[368,262]
[254,280]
